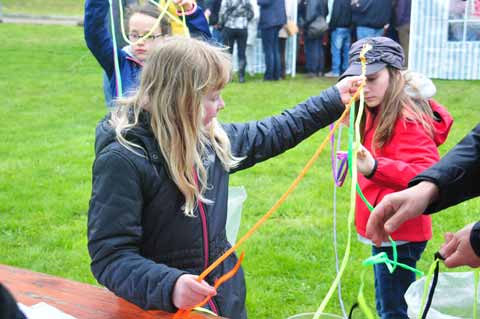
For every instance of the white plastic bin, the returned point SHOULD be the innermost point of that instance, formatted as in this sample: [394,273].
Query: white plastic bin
[453,297]
[236,196]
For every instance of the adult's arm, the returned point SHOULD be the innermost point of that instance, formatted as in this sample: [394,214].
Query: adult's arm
[457,174]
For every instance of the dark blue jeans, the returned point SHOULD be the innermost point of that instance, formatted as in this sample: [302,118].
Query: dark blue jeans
[390,288]
[315,59]
[271,50]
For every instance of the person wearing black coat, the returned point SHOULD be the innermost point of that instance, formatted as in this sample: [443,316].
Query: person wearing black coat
[212,9]
[148,239]
[370,17]
[309,10]
[451,181]
[273,17]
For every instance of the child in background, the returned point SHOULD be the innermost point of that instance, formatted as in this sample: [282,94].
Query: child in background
[400,135]
[141,19]
[160,178]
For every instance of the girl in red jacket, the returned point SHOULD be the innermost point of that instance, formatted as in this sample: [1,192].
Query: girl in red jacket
[400,132]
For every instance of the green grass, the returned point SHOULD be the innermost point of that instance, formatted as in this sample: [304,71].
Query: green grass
[44,7]
[51,101]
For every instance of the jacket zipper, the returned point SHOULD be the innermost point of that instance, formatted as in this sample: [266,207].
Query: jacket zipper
[203,217]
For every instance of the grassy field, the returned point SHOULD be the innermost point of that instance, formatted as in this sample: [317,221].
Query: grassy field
[51,101]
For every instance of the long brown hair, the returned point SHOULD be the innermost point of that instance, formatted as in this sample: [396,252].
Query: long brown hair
[177,76]
[397,104]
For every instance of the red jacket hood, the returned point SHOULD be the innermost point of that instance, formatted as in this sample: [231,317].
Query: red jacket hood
[442,122]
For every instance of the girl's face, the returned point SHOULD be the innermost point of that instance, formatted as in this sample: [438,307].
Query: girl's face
[212,103]
[139,25]
[376,87]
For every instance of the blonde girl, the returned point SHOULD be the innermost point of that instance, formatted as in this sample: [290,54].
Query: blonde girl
[160,178]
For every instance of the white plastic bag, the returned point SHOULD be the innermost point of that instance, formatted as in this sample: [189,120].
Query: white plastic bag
[236,197]
[453,298]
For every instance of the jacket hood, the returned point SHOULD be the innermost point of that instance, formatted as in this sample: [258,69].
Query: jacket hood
[442,122]
[104,135]
[140,135]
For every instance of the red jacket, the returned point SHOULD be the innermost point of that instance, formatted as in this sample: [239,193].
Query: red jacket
[409,152]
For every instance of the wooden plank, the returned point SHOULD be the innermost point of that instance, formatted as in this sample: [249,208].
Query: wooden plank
[77,299]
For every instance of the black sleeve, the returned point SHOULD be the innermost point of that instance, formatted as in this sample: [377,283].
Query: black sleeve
[115,234]
[260,140]
[8,305]
[457,175]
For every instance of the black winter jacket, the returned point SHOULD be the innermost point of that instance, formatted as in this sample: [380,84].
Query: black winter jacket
[371,13]
[341,14]
[309,10]
[457,175]
[140,241]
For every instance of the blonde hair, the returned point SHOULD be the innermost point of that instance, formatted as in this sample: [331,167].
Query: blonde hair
[397,104]
[176,78]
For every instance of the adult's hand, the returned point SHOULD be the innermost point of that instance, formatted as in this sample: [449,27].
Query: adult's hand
[348,86]
[188,292]
[397,208]
[457,249]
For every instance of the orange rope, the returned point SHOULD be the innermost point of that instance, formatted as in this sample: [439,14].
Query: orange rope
[182,313]
[284,196]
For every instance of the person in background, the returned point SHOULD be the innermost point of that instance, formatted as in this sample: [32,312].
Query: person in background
[283,36]
[371,17]
[273,17]
[234,17]
[403,9]
[121,43]
[400,134]
[451,181]
[141,19]
[309,10]
[252,38]
[340,36]
[212,8]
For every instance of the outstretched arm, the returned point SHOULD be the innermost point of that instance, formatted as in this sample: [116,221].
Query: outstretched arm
[97,35]
[260,140]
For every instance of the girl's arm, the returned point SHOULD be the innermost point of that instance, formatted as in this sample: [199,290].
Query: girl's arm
[260,140]
[97,34]
[115,234]
[415,151]
[197,24]
[264,3]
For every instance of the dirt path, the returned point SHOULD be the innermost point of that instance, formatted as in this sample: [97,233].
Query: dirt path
[31,19]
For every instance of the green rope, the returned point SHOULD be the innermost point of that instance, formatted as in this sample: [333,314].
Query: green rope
[361,300]
[475,293]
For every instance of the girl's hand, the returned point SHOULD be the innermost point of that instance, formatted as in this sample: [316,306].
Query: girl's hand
[186,4]
[188,292]
[365,161]
[348,86]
